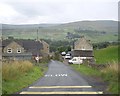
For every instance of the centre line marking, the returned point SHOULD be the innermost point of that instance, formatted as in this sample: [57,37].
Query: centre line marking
[60,87]
[99,92]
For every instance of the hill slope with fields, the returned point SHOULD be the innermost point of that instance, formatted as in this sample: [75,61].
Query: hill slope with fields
[96,31]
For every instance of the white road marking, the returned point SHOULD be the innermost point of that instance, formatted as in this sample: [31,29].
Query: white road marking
[99,92]
[60,75]
[56,75]
[65,74]
[46,75]
[60,87]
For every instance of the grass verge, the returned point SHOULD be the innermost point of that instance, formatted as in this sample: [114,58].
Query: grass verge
[86,70]
[109,74]
[20,78]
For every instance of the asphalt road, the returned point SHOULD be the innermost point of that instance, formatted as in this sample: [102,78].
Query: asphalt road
[61,79]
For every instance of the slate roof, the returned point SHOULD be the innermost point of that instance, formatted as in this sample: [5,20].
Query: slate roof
[29,45]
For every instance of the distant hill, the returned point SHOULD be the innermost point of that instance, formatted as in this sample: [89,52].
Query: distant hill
[100,25]
[8,26]
[96,31]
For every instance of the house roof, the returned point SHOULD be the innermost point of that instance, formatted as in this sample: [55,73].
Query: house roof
[29,45]
[6,42]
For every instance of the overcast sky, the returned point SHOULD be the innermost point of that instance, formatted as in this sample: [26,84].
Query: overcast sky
[56,11]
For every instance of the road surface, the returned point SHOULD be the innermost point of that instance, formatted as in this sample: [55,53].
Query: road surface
[61,79]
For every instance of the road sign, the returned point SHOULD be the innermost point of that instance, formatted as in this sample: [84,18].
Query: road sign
[37,58]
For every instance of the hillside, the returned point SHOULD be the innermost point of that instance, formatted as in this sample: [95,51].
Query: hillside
[97,31]
[108,26]
[31,26]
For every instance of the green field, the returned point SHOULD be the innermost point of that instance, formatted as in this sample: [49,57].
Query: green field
[106,55]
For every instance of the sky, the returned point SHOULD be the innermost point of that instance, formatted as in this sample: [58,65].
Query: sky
[56,11]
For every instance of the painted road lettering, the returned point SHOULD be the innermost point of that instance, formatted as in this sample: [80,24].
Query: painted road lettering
[56,75]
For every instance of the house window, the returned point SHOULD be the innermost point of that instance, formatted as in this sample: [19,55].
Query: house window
[18,50]
[9,50]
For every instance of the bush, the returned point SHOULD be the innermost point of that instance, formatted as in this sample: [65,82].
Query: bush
[56,56]
[45,59]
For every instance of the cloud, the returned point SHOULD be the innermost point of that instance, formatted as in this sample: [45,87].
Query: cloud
[56,11]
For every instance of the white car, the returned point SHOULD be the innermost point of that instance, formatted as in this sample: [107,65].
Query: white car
[67,56]
[75,60]
[63,53]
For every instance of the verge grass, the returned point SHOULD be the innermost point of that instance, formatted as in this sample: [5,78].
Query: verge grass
[18,75]
[111,74]
[86,70]
[14,69]
[108,74]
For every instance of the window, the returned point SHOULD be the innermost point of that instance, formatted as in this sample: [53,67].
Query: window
[74,60]
[9,50]
[18,50]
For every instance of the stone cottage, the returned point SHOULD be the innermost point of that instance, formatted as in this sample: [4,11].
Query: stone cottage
[83,48]
[23,49]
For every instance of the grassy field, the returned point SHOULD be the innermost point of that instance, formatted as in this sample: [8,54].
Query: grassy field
[19,74]
[106,55]
[110,73]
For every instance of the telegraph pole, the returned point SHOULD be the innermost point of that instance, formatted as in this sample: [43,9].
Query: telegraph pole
[37,34]
[37,57]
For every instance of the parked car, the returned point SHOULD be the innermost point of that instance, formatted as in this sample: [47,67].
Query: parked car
[67,56]
[63,53]
[75,60]
[69,52]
